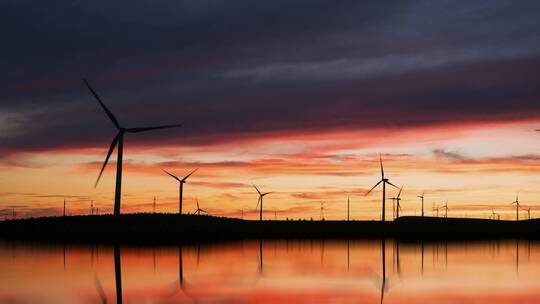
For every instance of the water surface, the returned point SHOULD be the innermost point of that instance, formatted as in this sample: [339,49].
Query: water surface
[273,271]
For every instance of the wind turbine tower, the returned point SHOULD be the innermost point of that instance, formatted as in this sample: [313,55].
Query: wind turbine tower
[422,198]
[119,140]
[384,181]
[260,201]
[180,187]
[516,202]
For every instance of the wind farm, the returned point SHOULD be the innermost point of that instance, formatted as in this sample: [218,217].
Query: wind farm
[170,227]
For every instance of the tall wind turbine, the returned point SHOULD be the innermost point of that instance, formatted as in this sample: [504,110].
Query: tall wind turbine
[422,197]
[181,187]
[119,140]
[64,213]
[260,201]
[517,207]
[384,181]
[199,210]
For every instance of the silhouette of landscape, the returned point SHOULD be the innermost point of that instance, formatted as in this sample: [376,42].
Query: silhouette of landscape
[172,228]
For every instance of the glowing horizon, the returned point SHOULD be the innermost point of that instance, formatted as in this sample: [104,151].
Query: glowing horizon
[464,165]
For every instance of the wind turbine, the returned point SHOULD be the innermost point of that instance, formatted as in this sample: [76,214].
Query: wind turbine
[181,187]
[154,205]
[517,207]
[119,140]
[384,181]
[64,213]
[199,210]
[528,212]
[422,197]
[260,201]
[445,209]
[397,199]
[348,209]
[322,211]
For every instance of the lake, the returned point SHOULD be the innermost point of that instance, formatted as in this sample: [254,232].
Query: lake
[273,271]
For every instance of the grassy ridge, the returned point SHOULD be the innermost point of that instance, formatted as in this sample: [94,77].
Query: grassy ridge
[170,228]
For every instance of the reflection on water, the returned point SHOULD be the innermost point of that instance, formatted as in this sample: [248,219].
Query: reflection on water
[301,271]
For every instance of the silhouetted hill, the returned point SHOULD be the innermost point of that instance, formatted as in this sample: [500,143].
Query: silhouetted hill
[170,228]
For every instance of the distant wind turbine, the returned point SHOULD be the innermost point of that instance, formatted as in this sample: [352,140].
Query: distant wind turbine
[397,199]
[348,208]
[384,181]
[181,187]
[517,207]
[119,140]
[422,197]
[64,213]
[528,212]
[199,210]
[154,205]
[260,201]
[493,214]
[445,209]
[322,211]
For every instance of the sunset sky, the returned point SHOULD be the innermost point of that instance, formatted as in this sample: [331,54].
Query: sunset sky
[297,97]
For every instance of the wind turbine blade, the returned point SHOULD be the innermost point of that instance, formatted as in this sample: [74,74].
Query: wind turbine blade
[258,201]
[143,129]
[399,193]
[373,187]
[256,189]
[263,194]
[100,290]
[184,179]
[111,149]
[388,182]
[197,204]
[176,178]
[109,113]
[382,170]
